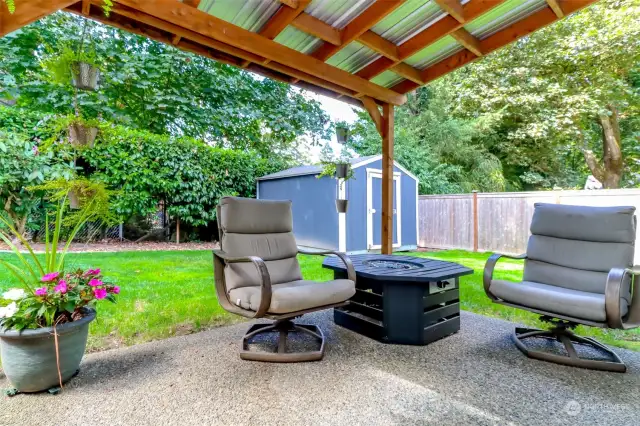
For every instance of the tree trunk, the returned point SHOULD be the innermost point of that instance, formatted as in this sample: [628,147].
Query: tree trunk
[609,171]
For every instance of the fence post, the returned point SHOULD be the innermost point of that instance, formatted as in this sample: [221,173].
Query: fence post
[178,231]
[475,220]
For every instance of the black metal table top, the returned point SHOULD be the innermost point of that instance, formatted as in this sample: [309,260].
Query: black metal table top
[399,268]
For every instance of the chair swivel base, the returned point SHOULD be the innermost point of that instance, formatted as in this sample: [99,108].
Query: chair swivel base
[567,338]
[284,328]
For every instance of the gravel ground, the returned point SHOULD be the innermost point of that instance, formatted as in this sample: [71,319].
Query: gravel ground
[474,377]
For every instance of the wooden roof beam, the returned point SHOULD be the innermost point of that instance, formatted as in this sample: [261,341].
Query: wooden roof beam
[282,18]
[314,26]
[500,39]
[557,9]
[27,12]
[453,8]
[428,36]
[216,55]
[354,29]
[86,7]
[206,25]
[463,37]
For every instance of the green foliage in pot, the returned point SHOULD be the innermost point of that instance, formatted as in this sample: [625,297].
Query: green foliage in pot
[60,65]
[59,130]
[342,131]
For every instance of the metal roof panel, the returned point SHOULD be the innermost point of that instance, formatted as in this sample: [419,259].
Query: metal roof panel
[439,50]
[502,16]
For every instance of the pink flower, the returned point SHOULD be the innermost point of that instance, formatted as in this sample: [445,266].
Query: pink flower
[50,277]
[95,283]
[93,271]
[35,149]
[115,290]
[42,291]
[100,293]
[61,287]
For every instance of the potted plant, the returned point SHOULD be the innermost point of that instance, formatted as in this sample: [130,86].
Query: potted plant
[79,67]
[82,133]
[342,132]
[342,171]
[44,325]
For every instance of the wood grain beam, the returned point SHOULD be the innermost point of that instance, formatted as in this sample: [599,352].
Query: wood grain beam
[192,3]
[216,55]
[363,22]
[379,44]
[86,7]
[387,178]
[500,39]
[209,26]
[293,4]
[314,26]
[467,40]
[428,36]
[453,8]
[27,12]
[557,9]
[282,18]
[372,108]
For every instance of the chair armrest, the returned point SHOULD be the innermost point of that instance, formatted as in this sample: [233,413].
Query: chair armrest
[351,272]
[263,272]
[612,295]
[487,276]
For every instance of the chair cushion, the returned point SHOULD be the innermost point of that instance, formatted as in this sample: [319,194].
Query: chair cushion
[295,295]
[585,223]
[561,301]
[250,216]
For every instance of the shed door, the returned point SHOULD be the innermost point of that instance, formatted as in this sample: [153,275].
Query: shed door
[374,209]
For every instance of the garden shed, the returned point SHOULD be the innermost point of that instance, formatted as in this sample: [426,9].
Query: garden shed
[316,222]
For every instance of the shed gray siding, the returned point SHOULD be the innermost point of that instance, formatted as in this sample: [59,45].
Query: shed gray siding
[357,213]
[315,220]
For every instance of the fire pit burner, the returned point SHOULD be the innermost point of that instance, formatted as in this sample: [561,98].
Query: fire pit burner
[392,264]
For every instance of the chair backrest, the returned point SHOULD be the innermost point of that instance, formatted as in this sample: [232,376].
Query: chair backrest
[575,247]
[261,228]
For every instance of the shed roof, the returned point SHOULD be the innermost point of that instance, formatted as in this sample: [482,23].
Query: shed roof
[356,50]
[316,169]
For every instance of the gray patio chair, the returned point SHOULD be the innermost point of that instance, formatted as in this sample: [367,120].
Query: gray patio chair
[578,269]
[257,275]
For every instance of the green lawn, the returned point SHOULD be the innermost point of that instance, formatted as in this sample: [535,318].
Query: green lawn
[169,293]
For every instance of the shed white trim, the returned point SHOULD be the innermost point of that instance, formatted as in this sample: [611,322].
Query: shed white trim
[395,163]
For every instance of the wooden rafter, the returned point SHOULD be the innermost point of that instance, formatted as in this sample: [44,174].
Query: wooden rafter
[453,8]
[86,7]
[557,9]
[218,52]
[27,12]
[362,23]
[316,27]
[500,39]
[430,35]
[282,18]
[209,26]
[463,37]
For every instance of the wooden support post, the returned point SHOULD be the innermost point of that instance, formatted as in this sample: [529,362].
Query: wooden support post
[387,178]
[475,220]
[178,231]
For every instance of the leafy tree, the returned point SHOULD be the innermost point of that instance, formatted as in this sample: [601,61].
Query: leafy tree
[23,166]
[562,93]
[434,146]
[156,87]
[188,175]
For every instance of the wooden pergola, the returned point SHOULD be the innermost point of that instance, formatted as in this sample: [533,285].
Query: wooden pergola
[369,53]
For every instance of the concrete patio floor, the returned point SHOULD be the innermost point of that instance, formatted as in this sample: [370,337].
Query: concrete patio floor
[474,377]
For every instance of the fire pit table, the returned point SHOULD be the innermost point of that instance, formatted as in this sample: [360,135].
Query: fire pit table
[401,299]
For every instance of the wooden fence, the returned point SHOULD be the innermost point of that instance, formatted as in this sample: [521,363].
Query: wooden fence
[499,221]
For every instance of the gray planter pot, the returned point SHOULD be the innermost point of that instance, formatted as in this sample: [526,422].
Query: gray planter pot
[74,200]
[79,135]
[342,134]
[29,357]
[85,76]
[342,170]
[342,205]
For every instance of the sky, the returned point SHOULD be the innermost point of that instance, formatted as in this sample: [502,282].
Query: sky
[337,111]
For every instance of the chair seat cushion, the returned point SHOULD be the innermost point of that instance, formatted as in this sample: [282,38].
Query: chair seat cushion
[295,295]
[559,300]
